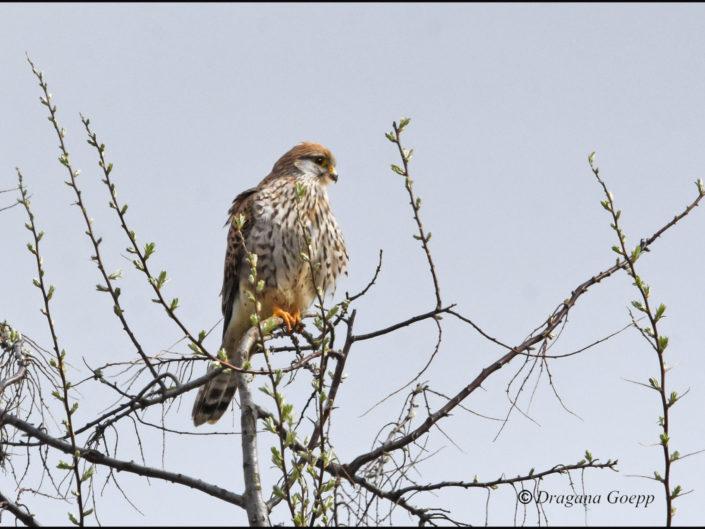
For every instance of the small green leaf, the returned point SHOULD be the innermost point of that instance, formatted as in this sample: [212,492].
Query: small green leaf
[672,398]
[160,280]
[591,158]
[88,473]
[662,343]
[197,350]
[300,190]
[278,492]
[277,457]
[636,253]
[148,250]
[701,186]
[239,221]
[332,312]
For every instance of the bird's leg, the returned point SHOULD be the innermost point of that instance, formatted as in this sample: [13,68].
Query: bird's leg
[288,318]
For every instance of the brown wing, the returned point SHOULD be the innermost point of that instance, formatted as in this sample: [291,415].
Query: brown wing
[235,255]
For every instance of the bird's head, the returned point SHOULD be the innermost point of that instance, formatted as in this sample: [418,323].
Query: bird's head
[308,160]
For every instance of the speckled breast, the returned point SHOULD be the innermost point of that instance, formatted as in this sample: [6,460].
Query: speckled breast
[278,237]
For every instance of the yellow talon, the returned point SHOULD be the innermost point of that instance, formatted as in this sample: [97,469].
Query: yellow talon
[292,320]
[284,315]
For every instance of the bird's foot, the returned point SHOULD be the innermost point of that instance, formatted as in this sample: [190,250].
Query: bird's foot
[292,321]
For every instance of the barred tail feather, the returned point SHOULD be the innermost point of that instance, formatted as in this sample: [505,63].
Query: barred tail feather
[214,398]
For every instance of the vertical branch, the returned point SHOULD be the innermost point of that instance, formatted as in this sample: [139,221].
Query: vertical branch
[284,410]
[257,513]
[58,362]
[656,339]
[284,413]
[406,154]
[337,379]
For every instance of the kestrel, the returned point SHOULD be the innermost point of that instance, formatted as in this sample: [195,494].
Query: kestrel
[289,203]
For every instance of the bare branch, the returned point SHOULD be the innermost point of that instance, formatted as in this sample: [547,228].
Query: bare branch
[558,469]
[257,512]
[98,458]
[414,201]
[552,322]
[25,517]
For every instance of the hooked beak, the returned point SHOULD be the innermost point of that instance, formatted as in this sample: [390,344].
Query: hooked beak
[333,174]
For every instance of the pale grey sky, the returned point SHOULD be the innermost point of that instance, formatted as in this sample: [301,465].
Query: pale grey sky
[196,102]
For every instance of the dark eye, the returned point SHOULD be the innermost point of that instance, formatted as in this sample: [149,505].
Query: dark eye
[319,160]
